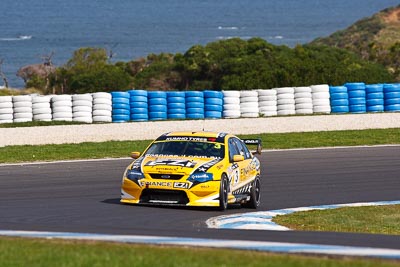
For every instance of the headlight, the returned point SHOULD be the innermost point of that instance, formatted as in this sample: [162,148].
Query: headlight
[200,177]
[134,175]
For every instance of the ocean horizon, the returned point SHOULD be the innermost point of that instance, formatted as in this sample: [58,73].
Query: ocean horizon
[136,28]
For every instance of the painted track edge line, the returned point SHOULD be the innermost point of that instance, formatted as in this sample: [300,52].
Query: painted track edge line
[265,246]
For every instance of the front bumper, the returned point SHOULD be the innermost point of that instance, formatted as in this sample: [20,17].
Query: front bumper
[167,192]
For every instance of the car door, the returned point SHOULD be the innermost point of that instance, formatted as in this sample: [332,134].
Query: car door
[245,165]
[237,170]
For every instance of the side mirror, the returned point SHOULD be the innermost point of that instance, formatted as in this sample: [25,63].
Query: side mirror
[237,158]
[135,155]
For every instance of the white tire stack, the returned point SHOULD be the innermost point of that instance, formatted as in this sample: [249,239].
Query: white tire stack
[267,102]
[6,109]
[249,104]
[321,98]
[62,107]
[231,107]
[303,100]
[82,108]
[22,105]
[41,108]
[102,107]
[285,101]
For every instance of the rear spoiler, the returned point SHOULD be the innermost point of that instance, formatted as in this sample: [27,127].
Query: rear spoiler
[254,142]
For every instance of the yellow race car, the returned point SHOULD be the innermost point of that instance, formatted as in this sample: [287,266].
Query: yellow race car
[194,169]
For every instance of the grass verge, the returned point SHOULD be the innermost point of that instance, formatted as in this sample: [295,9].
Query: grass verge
[373,219]
[12,154]
[36,252]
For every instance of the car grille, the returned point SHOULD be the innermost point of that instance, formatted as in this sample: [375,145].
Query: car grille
[164,197]
[166,176]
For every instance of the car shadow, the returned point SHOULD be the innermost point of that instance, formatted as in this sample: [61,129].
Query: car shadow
[172,207]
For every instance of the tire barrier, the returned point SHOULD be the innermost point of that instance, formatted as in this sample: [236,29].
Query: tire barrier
[142,105]
[231,107]
[82,108]
[267,102]
[357,101]
[138,105]
[213,104]
[374,98]
[303,100]
[157,101]
[286,104]
[22,107]
[339,99]
[6,109]
[120,106]
[102,107]
[176,105]
[194,104]
[321,98]
[41,108]
[61,106]
[249,104]
[391,97]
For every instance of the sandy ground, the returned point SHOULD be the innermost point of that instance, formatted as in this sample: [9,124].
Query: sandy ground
[150,130]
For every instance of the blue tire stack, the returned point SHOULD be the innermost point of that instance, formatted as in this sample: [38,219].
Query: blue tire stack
[138,105]
[357,102]
[194,104]
[176,107]
[120,106]
[339,99]
[157,101]
[213,104]
[392,97]
[374,97]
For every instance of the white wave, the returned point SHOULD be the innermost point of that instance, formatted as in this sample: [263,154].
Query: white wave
[231,37]
[226,37]
[228,28]
[19,38]
[278,37]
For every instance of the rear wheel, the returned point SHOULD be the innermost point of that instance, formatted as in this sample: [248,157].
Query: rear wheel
[223,193]
[255,194]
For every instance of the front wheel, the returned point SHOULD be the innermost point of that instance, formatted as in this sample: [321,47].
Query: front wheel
[223,193]
[255,194]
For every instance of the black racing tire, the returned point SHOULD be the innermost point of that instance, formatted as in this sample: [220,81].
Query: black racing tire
[223,193]
[255,194]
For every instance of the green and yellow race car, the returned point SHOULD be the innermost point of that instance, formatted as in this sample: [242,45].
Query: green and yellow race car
[194,169]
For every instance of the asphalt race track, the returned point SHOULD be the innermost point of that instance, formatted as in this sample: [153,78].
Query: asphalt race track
[83,196]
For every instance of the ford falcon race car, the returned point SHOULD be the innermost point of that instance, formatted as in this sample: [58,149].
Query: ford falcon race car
[194,169]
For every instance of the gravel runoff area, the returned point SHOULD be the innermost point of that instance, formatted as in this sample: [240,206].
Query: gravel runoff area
[150,130]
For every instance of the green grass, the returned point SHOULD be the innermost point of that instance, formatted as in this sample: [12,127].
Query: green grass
[329,138]
[114,149]
[36,252]
[374,220]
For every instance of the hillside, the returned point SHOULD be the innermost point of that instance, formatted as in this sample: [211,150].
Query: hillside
[376,38]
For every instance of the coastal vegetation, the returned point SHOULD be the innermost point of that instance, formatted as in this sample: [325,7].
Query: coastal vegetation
[376,39]
[233,64]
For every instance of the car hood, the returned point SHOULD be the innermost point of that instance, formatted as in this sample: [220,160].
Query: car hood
[179,165]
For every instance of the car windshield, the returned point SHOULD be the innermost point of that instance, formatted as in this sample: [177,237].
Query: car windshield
[187,148]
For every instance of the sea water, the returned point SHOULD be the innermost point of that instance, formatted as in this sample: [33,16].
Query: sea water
[134,28]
